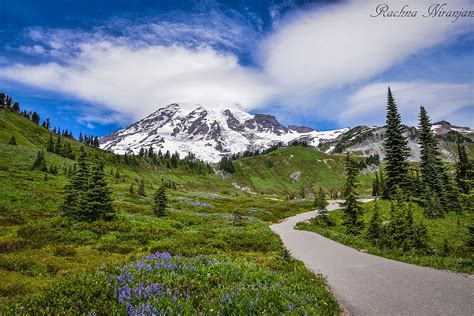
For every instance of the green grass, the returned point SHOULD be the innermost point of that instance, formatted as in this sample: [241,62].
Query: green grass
[271,173]
[452,228]
[45,257]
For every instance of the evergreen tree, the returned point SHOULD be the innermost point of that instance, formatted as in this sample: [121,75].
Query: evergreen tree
[160,201]
[352,209]
[35,118]
[12,141]
[141,188]
[432,168]
[374,231]
[382,184]
[470,238]
[58,146]
[53,169]
[463,167]
[396,148]
[97,199]
[226,165]
[67,151]
[316,201]
[322,203]
[131,189]
[50,147]
[451,193]
[150,152]
[76,187]
[376,185]
[433,206]
[40,162]
[421,238]
[174,160]
[16,107]
[46,176]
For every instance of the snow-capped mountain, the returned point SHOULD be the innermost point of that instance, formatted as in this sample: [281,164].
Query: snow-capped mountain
[209,134]
[368,140]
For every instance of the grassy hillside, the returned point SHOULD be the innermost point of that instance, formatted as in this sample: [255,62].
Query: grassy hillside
[55,259]
[271,173]
[447,238]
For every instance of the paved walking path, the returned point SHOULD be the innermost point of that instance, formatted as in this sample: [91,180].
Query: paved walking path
[370,285]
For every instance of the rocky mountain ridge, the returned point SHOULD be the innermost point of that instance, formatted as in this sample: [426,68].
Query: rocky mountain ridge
[210,134]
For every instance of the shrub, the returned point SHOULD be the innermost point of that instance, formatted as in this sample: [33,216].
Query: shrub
[64,251]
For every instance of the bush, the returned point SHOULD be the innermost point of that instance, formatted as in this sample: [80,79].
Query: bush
[12,245]
[64,251]
[25,266]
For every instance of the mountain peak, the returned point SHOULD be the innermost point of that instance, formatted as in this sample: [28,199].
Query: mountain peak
[206,132]
[443,123]
[301,129]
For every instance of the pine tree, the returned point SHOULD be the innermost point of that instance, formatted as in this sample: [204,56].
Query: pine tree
[462,169]
[58,146]
[433,206]
[316,201]
[150,152]
[421,239]
[376,185]
[352,209]
[35,118]
[396,148]
[160,201]
[382,184]
[50,147]
[53,169]
[16,107]
[432,168]
[374,231]
[97,199]
[322,202]
[40,162]
[226,165]
[470,238]
[46,176]
[141,188]
[76,187]
[12,141]
[131,189]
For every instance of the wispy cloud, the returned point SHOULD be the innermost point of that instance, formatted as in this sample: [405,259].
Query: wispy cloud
[133,67]
[444,101]
[341,44]
[135,81]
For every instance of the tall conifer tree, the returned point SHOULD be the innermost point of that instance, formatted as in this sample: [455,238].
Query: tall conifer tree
[432,168]
[76,187]
[396,148]
[96,201]
[352,209]
[160,201]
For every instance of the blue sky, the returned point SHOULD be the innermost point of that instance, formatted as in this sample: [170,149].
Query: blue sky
[97,66]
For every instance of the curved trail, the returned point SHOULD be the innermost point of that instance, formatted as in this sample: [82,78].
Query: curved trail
[370,285]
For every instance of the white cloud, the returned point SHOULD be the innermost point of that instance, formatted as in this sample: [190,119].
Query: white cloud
[341,44]
[136,81]
[191,59]
[444,101]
